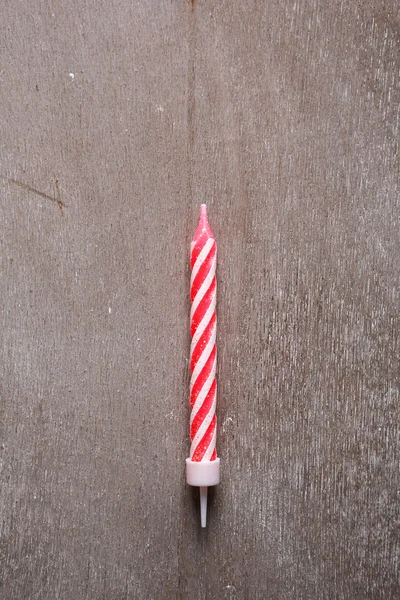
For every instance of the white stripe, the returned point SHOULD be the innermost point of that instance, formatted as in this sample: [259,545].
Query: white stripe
[204,288]
[201,258]
[203,393]
[203,427]
[205,355]
[211,447]
[203,325]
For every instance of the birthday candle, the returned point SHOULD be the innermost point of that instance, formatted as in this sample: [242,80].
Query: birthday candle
[202,468]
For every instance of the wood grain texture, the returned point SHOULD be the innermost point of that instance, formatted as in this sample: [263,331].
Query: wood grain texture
[284,117]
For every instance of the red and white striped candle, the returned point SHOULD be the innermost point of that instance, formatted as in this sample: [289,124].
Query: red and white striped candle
[202,468]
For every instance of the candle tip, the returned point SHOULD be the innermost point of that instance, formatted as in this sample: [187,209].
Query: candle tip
[203,505]
[203,228]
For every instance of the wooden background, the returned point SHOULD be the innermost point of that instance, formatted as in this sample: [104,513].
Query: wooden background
[117,120]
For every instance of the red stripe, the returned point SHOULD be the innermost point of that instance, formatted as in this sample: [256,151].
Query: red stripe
[202,377]
[203,272]
[198,246]
[203,341]
[205,441]
[214,455]
[203,410]
[202,307]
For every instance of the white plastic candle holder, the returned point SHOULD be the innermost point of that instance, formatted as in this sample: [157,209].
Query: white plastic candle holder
[203,474]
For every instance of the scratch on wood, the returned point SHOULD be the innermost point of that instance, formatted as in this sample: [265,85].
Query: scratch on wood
[191,96]
[58,198]
[29,188]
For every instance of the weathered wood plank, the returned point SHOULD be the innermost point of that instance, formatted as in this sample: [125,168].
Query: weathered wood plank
[284,118]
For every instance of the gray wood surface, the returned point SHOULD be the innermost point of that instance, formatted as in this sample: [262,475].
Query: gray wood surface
[117,120]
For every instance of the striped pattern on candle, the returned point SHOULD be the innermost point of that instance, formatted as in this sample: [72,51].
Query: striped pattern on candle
[203,350]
